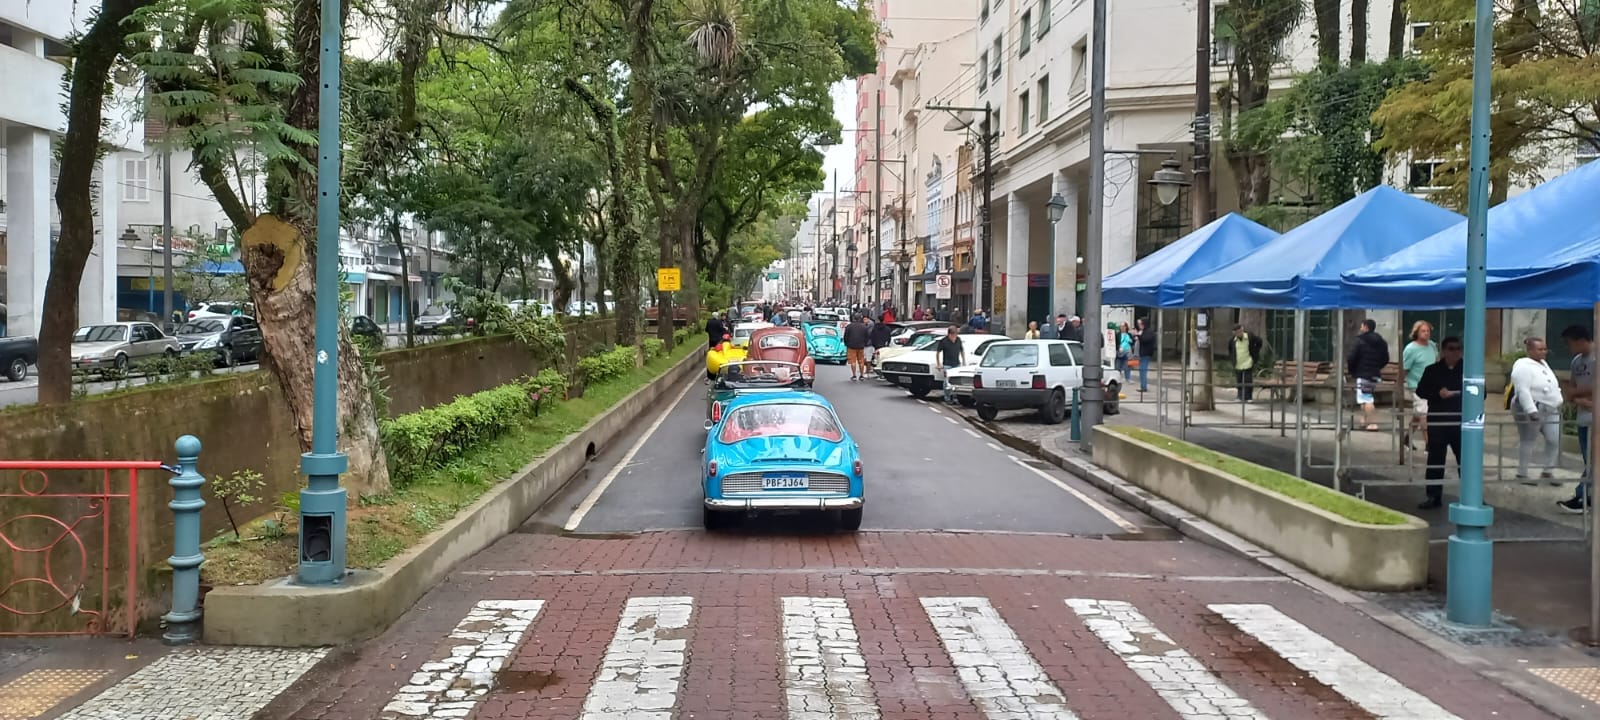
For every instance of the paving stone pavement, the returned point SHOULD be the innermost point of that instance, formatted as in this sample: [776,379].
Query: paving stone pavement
[200,684]
[904,626]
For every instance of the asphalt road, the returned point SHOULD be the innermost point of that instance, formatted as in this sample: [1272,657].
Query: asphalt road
[926,469]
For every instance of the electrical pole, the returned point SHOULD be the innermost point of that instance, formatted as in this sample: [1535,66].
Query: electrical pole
[985,285]
[877,192]
[1205,199]
[166,235]
[833,225]
[1093,333]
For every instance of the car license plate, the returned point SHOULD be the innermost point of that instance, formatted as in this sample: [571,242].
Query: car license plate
[1005,383]
[785,481]
[903,380]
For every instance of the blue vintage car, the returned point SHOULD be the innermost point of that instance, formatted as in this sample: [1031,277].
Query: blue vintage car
[825,341]
[780,451]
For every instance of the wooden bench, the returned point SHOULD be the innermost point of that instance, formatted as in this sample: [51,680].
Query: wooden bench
[1282,379]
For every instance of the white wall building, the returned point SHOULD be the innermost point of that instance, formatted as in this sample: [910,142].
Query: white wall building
[33,65]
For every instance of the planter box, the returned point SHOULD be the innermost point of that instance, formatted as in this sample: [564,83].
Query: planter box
[1355,555]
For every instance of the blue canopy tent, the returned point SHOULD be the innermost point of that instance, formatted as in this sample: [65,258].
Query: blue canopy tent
[1300,270]
[1543,252]
[1158,280]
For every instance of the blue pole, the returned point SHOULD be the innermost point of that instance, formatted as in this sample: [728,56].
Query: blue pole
[183,622]
[322,502]
[1468,583]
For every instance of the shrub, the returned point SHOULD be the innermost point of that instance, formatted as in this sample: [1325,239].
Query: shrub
[684,334]
[542,335]
[546,387]
[609,365]
[654,348]
[429,438]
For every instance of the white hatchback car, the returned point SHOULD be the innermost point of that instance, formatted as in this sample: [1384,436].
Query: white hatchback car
[1037,374]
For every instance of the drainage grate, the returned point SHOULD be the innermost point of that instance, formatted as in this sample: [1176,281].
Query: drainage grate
[1581,681]
[36,691]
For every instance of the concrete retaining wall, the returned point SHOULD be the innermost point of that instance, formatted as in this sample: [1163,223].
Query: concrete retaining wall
[1355,555]
[280,614]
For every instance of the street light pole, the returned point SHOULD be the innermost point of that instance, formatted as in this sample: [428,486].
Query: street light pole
[1471,555]
[322,502]
[1054,209]
[1093,391]
[166,236]
[877,195]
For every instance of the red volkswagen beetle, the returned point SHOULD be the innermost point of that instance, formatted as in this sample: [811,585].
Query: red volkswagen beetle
[783,344]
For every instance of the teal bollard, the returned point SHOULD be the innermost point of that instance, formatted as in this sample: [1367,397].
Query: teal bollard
[1077,429]
[183,622]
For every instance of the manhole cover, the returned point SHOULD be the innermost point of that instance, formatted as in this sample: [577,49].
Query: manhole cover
[1581,681]
[32,693]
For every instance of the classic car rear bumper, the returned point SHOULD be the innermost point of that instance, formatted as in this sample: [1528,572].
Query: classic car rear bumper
[784,503]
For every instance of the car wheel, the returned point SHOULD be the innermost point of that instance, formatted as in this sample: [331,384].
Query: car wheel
[1113,393]
[1054,410]
[987,411]
[227,358]
[713,520]
[171,354]
[918,391]
[966,400]
[850,520]
[18,369]
[120,364]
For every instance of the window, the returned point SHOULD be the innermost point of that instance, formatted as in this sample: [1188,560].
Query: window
[983,10]
[1415,34]
[136,180]
[995,53]
[1044,17]
[1224,37]
[1422,175]
[1011,355]
[780,420]
[1022,113]
[1042,97]
[1059,356]
[1080,69]
[1025,41]
[983,70]
[1076,351]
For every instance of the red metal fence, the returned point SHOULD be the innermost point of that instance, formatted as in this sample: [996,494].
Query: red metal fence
[56,569]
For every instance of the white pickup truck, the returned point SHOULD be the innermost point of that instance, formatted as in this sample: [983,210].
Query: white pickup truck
[1036,374]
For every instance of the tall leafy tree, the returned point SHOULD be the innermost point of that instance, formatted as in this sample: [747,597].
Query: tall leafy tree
[1250,127]
[93,55]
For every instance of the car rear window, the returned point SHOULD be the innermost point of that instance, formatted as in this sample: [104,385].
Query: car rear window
[1003,356]
[780,341]
[825,331]
[925,339]
[779,420]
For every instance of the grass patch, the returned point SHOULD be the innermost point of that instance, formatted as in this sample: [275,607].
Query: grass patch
[385,526]
[1351,508]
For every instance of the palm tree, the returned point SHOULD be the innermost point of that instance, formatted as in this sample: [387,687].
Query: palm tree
[714,31]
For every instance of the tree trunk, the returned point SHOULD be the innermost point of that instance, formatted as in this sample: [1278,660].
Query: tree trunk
[562,277]
[689,266]
[1397,28]
[405,282]
[1358,31]
[94,54]
[1328,27]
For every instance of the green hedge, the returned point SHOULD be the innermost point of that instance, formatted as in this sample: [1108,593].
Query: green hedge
[609,365]
[426,439]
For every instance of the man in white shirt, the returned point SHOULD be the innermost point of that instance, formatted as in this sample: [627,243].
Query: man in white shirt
[1537,408]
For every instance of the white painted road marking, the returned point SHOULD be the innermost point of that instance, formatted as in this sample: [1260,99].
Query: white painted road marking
[996,448]
[1191,689]
[450,686]
[639,676]
[825,674]
[1082,497]
[953,421]
[594,495]
[973,433]
[1319,657]
[994,666]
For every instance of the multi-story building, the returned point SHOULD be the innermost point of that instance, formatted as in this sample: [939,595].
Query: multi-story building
[33,65]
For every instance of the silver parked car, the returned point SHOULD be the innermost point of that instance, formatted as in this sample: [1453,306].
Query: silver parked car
[117,345]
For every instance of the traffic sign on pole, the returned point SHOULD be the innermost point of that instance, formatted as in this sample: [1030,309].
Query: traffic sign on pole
[941,287]
[668,280]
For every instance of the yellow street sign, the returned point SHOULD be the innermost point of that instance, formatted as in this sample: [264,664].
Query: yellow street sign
[668,280]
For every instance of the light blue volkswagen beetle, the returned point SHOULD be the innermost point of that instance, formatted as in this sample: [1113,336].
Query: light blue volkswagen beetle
[780,451]
[825,342]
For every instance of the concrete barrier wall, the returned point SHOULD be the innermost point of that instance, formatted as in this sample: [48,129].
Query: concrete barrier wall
[1355,555]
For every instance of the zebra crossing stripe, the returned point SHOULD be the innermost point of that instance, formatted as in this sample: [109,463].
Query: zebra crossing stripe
[1360,683]
[824,673]
[450,686]
[994,666]
[643,665]
[1181,680]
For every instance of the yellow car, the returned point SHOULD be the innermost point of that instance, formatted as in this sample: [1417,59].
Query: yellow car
[722,354]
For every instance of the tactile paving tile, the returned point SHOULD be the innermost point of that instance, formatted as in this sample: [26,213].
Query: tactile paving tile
[32,693]
[1581,681]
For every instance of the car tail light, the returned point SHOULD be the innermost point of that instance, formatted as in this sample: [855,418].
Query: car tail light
[1038,382]
[857,467]
[716,412]
[711,469]
[977,382]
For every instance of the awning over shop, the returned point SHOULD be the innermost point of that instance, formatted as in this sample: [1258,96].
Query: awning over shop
[1543,252]
[1301,268]
[1158,280]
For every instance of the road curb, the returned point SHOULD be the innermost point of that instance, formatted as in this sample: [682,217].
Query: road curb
[1553,700]
[281,614]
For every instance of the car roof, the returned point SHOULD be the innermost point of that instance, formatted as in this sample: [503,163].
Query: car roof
[752,325]
[779,396]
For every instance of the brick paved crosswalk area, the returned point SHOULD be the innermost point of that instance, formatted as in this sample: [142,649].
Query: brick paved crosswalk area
[641,636]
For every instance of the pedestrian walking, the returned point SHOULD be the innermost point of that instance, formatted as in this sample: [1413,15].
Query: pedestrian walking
[1124,347]
[1417,356]
[856,338]
[1074,329]
[1365,363]
[1581,344]
[1147,352]
[1032,333]
[1243,353]
[1536,405]
[951,355]
[978,322]
[1053,330]
[1440,387]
